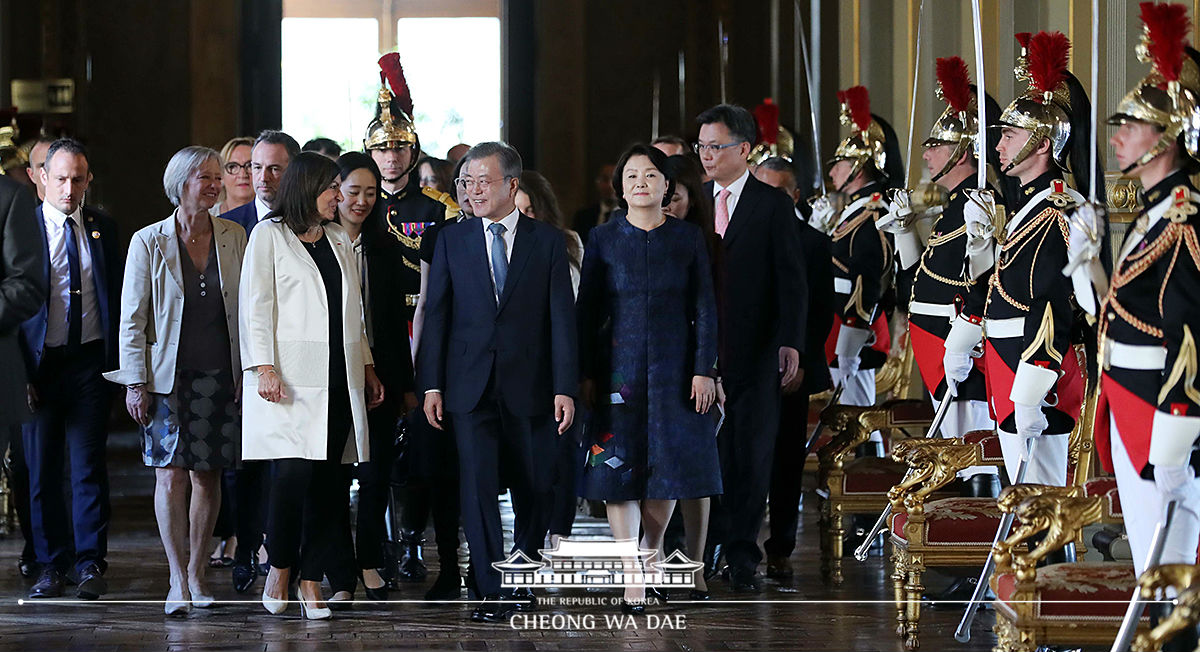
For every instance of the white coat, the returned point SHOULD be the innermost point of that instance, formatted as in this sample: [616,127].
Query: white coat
[152,302]
[285,323]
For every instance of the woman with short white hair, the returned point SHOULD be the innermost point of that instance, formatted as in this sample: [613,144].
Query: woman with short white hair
[178,343]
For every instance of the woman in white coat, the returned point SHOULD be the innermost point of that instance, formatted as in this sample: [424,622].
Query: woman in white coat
[179,360]
[308,375]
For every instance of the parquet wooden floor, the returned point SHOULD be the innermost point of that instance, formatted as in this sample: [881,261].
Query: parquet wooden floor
[801,614]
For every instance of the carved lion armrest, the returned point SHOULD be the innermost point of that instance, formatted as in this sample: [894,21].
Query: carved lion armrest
[1154,585]
[1059,512]
[936,463]
[843,422]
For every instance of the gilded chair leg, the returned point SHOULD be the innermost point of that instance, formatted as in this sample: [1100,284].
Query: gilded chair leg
[913,590]
[824,528]
[898,575]
[836,541]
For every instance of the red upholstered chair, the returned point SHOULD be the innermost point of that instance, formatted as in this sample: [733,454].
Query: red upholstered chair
[860,486]
[1075,603]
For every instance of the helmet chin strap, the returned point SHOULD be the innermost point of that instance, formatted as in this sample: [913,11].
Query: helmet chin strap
[858,165]
[1035,138]
[1154,152]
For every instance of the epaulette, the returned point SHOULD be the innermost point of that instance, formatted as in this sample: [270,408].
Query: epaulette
[1059,195]
[444,198]
[875,202]
[1181,205]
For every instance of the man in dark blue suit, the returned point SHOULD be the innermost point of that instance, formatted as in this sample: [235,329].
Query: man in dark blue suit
[66,345]
[270,156]
[499,356]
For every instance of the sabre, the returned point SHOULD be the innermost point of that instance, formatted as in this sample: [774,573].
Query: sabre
[812,101]
[943,408]
[912,107]
[963,633]
[980,98]
[1094,159]
[812,442]
[1134,612]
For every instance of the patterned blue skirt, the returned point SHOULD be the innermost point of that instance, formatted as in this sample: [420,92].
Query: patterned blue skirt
[196,427]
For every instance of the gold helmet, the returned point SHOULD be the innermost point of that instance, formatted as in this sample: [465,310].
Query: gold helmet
[959,123]
[393,126]
[1167,97]
[1045,107]
[867,141]
[773,139]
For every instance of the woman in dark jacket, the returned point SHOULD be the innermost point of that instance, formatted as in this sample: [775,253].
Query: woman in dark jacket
[648,350]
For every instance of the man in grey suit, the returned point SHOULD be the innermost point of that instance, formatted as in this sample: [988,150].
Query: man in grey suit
[22,291]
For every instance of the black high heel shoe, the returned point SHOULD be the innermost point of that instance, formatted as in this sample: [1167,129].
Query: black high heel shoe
[378,594]
[654,594]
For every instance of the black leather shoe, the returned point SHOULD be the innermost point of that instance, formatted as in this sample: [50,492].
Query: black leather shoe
[448,586]
[632,608]
[412,566]
[243,577]
[654,594]
[779,567]
[92,584]
[696,594]
[492,610]
[377,594]
[48,585]
[982,485]
[712,561]
[527,601]
[743,580]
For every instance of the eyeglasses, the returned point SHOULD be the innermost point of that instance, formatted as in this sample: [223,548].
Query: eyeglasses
[701,148]
[467,183]
[232,168]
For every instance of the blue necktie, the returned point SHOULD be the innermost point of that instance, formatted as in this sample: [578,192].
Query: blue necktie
[75,305]
[499,259]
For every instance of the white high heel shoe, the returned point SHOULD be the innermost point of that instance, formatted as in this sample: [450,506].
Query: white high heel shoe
[199,599]
[180,607]
[314,613]
[274,605]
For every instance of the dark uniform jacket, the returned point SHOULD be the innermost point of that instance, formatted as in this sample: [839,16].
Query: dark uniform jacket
[407,214]
[862,266]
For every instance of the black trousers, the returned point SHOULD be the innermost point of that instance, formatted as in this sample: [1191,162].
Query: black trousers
[787,474]
[491,438]
[72,416]
[250,490]
[19,485]
[433,485]
[566,470]
[745,446]
[304,501]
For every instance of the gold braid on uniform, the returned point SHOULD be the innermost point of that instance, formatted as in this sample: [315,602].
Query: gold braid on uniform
[1184,369]
[934,241]
[1139,262]
[1018,241]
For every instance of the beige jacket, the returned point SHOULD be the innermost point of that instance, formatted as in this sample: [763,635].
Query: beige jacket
[152,302]
[285,323]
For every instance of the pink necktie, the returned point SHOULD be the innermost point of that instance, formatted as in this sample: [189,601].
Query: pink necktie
[722,212]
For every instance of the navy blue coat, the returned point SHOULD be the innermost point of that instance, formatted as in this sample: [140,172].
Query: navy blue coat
[527,340]
[648,324]
[246,215]
[107,264]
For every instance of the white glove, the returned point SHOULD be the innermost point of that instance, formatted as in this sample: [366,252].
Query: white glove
[898,219]
[823,214]
[1031,422]
[1083,242]
[1176,483]
[847,367]
[958,367]
[978,213]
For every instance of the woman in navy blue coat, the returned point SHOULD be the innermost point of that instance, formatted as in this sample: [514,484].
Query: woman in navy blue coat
[648,351]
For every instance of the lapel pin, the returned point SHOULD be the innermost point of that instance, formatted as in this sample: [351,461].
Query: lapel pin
[95,235]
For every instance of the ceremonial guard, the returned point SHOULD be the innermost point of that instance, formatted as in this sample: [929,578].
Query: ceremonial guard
[1025,311]
[862,168]
[1148,414]
[941,280]
[408,211]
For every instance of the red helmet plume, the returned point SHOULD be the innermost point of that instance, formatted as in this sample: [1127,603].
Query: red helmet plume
[858,102]
[390,69]
[1049,54]
[1167,28]
[954,82]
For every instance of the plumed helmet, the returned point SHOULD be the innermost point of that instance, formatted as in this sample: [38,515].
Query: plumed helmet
[867,142]
[393,126]
[1167,96]
[773,139]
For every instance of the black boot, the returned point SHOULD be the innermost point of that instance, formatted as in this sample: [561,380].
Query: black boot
[412,566]
[447,586]
[1185,641]
[982,485]
[869,449]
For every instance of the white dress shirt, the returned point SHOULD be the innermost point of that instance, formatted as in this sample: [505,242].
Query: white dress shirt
[735,191]
[260,208]
[509,235]
[60,278]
